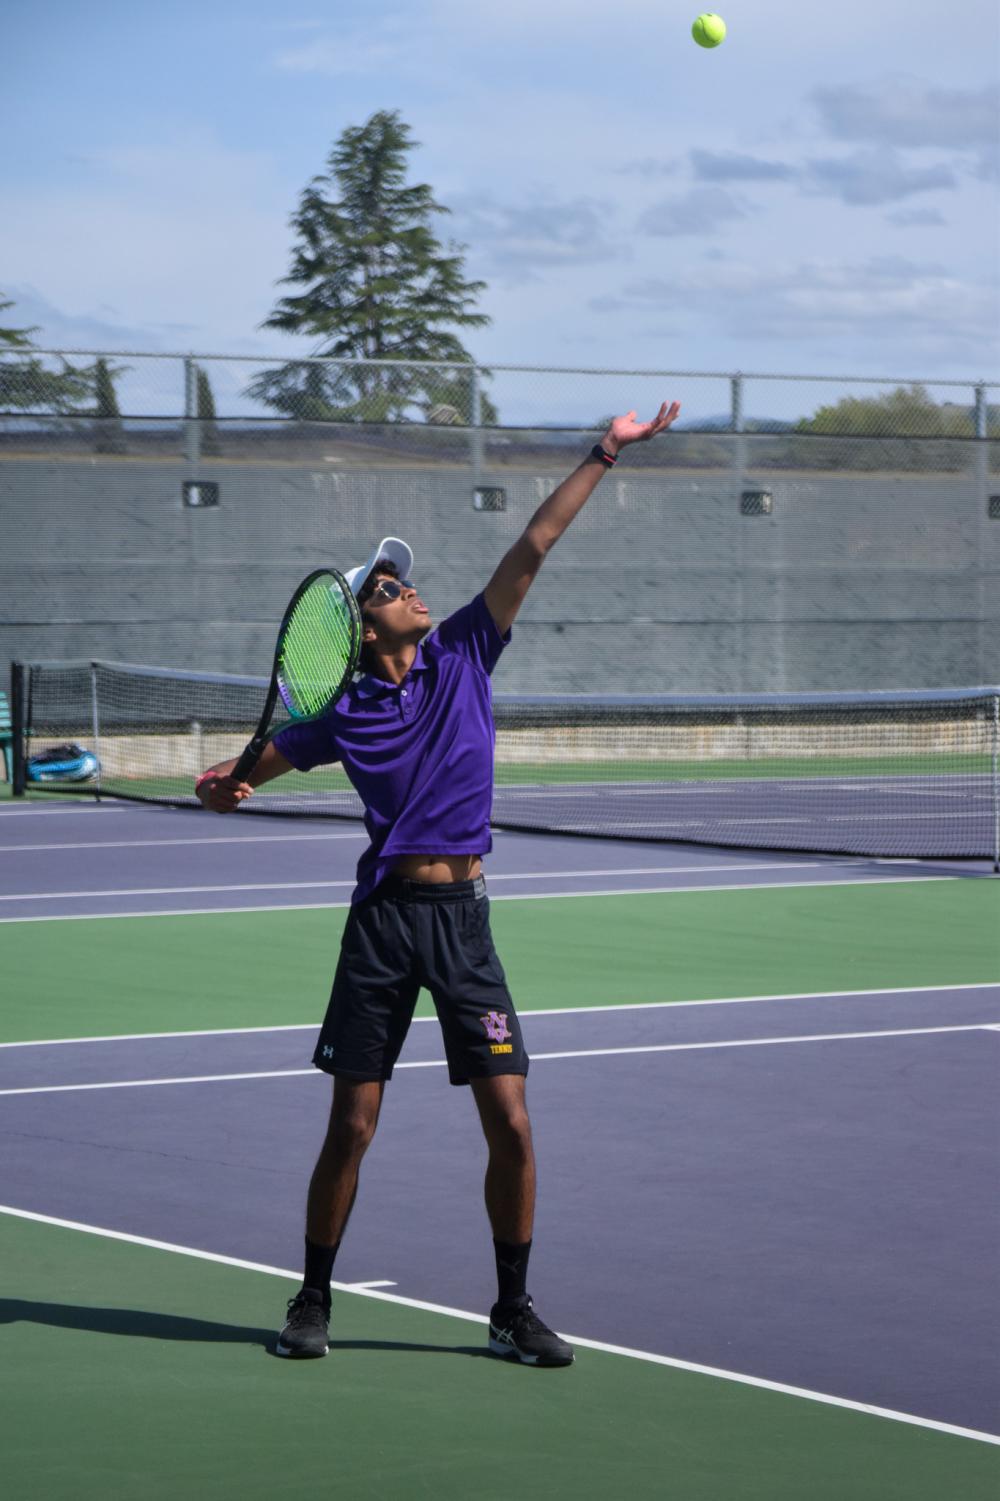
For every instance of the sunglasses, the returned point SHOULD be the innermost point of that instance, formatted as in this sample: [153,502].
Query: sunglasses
[391,588]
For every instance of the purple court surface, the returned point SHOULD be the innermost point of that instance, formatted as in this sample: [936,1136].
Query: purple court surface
[63,859]
[799,1189]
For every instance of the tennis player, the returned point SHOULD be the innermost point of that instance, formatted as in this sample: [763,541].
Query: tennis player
[414,733]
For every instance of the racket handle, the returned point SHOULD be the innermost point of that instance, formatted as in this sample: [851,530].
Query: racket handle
[248,760]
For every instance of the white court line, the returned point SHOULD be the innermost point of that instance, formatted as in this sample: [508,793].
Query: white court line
[362,1291]
[537,875]
[659,1047]
[205,843]
[539,896]
[730,1000]
[50,810]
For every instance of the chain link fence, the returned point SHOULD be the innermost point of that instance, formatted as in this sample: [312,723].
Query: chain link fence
[790,533]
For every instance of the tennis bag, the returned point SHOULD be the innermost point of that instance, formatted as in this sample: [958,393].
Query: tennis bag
[63,763]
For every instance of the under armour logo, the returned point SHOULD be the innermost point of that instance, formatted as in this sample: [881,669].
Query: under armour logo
[328,1052]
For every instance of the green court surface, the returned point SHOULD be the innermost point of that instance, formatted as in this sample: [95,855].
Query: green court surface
[104,976]
[135,1372]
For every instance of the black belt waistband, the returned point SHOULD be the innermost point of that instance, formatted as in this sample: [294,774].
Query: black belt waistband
[431,891]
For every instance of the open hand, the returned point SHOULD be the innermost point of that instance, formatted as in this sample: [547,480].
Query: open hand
[625,430]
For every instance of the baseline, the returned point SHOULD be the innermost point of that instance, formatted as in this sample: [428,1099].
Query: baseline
[737,1377]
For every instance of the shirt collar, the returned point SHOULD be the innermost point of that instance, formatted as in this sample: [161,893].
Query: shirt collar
[369,686]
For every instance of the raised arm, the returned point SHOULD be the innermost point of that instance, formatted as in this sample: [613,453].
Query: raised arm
[515,574]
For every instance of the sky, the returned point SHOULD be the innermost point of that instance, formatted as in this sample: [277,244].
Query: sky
[819,194]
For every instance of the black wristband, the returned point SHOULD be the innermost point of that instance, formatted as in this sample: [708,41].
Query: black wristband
[608,459]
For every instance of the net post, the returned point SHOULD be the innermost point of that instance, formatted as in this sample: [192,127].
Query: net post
[18,763]
[95,724]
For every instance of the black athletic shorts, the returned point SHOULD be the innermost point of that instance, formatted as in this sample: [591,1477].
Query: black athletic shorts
[406,935]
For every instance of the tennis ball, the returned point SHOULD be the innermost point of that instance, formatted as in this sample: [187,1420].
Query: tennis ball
[709,30]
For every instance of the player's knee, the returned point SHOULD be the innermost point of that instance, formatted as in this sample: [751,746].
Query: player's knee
[350,1135]
[351,1131]
[510,1133]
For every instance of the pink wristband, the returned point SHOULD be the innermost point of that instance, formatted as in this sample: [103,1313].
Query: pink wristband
[203,778]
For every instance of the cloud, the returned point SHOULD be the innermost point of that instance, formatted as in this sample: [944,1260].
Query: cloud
[651,167]
[732,166]
[916,217]
[58,328]
[517,240]
[910,112]
[873,177]
[702,211]
[987,167]
[345,57]
[915,308]
[187,236]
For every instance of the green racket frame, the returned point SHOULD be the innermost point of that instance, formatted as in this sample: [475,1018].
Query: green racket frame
[256,746]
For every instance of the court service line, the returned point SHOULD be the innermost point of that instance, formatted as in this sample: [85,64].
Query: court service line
[726,1000]
[738,1377]
[658,1047]
[52,896]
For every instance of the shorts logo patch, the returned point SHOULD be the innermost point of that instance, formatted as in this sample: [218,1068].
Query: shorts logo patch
[496,1026]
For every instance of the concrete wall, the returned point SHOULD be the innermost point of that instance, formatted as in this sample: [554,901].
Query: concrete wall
[855,580]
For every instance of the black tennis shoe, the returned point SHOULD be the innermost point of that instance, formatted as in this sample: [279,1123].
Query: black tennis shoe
[306,1332]
[516,1330]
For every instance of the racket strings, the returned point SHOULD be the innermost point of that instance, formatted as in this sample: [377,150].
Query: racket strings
[317,651]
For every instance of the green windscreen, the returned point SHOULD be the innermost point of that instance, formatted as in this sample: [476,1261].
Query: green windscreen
[317,649]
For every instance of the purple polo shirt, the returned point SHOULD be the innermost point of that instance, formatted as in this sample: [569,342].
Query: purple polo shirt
[419,754]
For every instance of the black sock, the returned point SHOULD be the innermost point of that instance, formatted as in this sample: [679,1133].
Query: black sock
[319,1268]
[512,1270]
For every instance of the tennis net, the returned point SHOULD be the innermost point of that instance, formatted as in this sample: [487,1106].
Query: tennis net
[882,774]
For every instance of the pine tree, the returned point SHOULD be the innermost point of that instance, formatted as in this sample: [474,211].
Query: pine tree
[109,435]
[26,385]
[15,338]
[376,284]
[206,414]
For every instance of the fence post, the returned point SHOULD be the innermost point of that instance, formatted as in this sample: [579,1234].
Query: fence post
[981,465]
[980,411]
[476,432]
[744,595]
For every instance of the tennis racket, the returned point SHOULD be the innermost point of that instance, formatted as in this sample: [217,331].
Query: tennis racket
[319,644]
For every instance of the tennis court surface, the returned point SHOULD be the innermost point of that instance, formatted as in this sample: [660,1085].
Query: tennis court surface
[768,1133]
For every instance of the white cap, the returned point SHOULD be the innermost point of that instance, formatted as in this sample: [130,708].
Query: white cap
[393,551]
